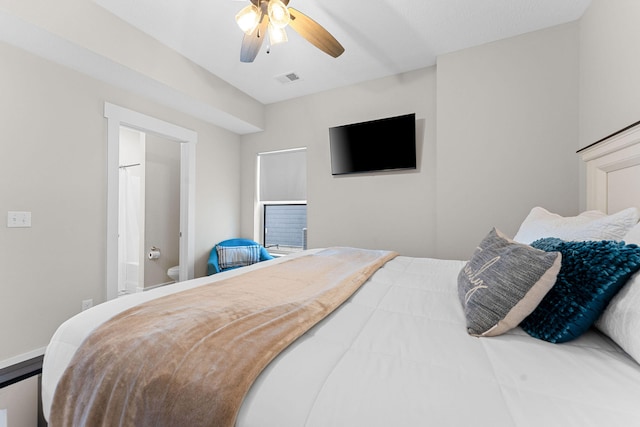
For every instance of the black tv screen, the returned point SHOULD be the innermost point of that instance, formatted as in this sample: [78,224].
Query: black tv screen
[377,145]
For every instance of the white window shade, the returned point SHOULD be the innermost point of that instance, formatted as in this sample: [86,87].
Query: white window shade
[283,176]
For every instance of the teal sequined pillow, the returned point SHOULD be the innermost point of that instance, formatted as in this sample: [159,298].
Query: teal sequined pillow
[592,272]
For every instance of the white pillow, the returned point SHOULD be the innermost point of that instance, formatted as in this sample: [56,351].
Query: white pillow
[621,319]
[589,225]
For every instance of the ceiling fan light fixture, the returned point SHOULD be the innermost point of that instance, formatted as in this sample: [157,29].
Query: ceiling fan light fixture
[278,14]
[277,35]
[273,17]
[248,18]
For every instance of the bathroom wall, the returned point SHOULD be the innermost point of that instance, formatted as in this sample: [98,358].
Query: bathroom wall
[162,208]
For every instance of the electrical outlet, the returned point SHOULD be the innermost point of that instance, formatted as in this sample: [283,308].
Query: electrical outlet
[87,303]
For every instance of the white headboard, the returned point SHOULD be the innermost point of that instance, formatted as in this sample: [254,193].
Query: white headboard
[613,171]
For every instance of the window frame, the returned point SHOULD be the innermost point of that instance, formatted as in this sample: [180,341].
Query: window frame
[259,213]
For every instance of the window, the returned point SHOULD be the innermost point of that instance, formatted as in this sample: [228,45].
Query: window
[285,227]
[282,195]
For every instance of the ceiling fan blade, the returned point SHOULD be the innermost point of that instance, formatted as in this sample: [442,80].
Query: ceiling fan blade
[314,33]
[251,43]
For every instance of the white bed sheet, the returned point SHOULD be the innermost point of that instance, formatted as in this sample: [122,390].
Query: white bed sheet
[397,353]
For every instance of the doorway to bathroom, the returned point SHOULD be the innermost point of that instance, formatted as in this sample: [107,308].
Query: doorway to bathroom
[149,210]
[154,131]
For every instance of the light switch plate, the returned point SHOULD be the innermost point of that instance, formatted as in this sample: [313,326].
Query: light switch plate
[18,219]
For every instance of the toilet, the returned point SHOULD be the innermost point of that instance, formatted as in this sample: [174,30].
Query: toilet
[174,273]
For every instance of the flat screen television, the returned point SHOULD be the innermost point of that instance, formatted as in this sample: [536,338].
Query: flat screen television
[377,145]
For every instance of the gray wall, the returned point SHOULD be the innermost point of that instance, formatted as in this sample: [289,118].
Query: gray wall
[507,132]
[609,68]
[384,210]
[53,164]
[497,131]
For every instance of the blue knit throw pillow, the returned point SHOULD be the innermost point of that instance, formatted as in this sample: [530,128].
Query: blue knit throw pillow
[592,273]
[237,256]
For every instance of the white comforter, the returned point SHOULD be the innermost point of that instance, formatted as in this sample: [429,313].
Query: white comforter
[397,354]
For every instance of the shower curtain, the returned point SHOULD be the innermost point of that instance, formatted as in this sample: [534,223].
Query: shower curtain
[128,231]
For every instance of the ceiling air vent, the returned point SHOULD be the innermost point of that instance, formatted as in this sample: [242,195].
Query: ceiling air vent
[288,78]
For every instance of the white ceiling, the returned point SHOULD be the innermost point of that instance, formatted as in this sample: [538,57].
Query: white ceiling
[380,37]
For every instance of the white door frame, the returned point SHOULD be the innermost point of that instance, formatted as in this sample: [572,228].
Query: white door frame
[119,116]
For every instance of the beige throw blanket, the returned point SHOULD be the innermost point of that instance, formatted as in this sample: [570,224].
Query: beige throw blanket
[188,359]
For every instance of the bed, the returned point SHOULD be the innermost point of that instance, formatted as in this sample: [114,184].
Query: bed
[408,348]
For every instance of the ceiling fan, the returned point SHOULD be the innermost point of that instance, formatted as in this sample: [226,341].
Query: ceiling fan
[272,16]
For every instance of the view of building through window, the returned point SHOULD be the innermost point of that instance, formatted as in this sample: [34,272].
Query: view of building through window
[285,227]
[282,194]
